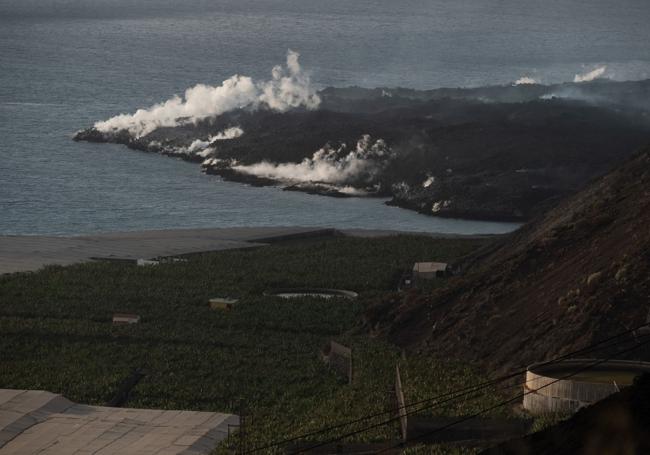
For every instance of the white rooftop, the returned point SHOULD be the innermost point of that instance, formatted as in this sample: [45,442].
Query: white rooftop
[424,267]
[33,421]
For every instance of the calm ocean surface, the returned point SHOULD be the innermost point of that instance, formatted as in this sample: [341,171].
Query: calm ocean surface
[65,64]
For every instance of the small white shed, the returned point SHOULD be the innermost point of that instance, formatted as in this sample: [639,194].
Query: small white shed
[430,270]
[146,262]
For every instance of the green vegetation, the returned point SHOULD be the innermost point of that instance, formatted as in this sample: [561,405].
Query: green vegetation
[543,422]
[57,334]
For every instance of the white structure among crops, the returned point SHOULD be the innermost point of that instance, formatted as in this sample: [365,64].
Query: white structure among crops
[568,385]
[33,421]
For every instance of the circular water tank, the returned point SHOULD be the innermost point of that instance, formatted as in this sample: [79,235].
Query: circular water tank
[546,392]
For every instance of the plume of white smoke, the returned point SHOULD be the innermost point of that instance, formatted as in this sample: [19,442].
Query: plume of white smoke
[198,144]
[210,162]
[288,88]
[591,75]
[329,165]
[351,191]
[207,148]
[230,133]
[526,80]
[200,147]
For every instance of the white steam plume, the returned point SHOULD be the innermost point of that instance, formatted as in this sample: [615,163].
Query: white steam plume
[288,88]
[329,165]
[526,80]
[196,146]
[428,182]
[230,133]
[200,147]
[206,148]
[591,75]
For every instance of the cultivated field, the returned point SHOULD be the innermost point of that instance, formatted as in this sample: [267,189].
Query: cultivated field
[57,334]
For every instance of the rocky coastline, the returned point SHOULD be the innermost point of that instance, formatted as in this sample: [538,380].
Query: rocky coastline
[493,153]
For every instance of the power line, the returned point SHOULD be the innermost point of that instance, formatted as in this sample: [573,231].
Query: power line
[359,420]
[363,430]
[396,418]
[455,393]
[380,424]
[453,396]
[518,397]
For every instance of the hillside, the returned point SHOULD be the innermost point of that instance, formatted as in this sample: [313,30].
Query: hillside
[579,273]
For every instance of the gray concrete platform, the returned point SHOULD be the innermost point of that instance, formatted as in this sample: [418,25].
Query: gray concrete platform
[39,422]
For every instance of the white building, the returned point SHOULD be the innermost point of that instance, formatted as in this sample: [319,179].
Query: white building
[430,270]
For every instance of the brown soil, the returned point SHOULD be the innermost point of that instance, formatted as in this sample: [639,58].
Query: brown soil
[573,276]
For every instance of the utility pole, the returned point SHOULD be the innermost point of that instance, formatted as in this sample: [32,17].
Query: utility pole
[243,429]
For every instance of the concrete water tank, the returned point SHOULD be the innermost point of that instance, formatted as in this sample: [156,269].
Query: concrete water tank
[546,391]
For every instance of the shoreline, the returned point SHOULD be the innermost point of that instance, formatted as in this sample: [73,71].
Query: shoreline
[493,153]
[28,253]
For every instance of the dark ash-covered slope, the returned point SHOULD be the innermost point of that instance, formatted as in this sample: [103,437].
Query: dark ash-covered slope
[576,275]
[599,92]
[496,153]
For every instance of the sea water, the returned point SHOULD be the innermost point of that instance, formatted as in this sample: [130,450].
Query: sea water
[65,64]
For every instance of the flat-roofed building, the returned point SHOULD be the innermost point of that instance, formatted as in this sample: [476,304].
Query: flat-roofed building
[430,270]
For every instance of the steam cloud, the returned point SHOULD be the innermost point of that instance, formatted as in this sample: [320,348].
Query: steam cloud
[591,75]
[288,88]
[198,144]
[198,147]
[526,80]
[329,165]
